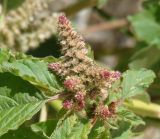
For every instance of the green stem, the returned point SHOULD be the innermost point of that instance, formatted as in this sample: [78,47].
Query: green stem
[141,108]
[56,105]
[43,114]
[79,6]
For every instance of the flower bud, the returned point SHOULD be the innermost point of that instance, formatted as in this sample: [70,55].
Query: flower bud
[70,83]
[102,112]
[79,96]
[67,104]
[63,20]
[116,75]
[105,74]
[54,66]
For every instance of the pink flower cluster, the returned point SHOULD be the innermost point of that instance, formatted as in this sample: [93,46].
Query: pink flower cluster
[70,83]
[83,79]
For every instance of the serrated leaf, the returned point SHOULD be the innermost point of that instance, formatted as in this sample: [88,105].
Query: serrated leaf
[34,71]
[22,133]
[17,103]
[127,121]
[80,130]
[99,131]
[45,128]
[64,128]
[135,82]
[150,32]
[130,117]
[123,132]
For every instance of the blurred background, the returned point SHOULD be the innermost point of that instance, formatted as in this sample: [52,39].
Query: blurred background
[122,33]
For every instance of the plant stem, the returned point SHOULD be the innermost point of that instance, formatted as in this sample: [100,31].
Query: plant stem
[55,101]
[56,105]
[43,114]
[58,96]
[70,10]
[141,108]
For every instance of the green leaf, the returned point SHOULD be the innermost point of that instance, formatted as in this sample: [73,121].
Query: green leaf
[130,117]
[22,133]
[145,27]
[127,120]
[19,101]
[135,82]
[123,132]
[145,58]
[67,128]
[64,128]
[80,130]
[45,128]
[34,71]
[99,131]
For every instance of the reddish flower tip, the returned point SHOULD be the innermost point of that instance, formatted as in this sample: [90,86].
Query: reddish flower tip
[67,104]
[116,75]
[70,83]
[62,19]
[54,66]
[105,74]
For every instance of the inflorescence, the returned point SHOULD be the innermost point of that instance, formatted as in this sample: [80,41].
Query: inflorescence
[86,82]
[27,26]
